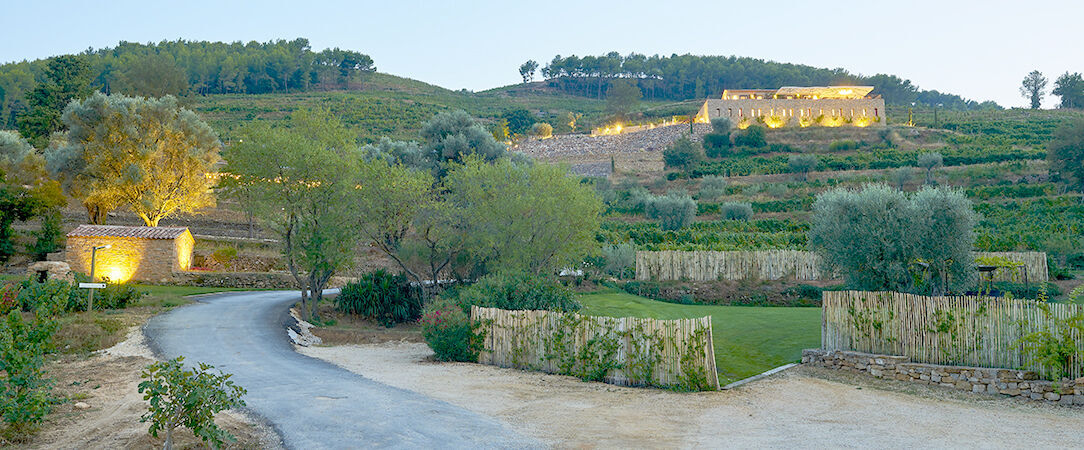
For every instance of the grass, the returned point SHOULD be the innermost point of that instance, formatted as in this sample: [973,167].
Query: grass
[748,340]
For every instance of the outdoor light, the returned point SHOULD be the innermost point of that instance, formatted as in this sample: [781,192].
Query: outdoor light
[93,258]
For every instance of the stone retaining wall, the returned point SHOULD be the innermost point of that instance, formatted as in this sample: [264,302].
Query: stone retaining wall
[247,280]
[1020,384]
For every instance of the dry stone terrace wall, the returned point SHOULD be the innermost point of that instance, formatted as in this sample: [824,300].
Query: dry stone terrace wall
[639,151]
[1020,384]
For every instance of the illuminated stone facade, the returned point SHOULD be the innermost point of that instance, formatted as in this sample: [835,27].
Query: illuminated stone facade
[151,254]
[797,107]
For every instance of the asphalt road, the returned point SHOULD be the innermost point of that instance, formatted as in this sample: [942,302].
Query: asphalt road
[309,402]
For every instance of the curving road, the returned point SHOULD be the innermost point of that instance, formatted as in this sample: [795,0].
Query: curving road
[310,403]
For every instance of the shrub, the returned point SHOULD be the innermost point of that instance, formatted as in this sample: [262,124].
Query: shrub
[449,332]
[802,165]
[930,161]
[542,130]
[753,136]
[736,211]
[381,296]
[874,236]
[515,291]
[51,297]
[24,390]
[682,153]
[836,146]
[716,145]
[224,255]
[114,296]
[49,238]
[9,297]
[712,187]
[901,176]
[188,397]
[619,260]
[673,211]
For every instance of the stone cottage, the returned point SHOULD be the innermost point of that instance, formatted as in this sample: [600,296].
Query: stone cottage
[827,106]
[150,254]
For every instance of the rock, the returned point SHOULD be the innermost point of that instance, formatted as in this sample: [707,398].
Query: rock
[1052,396]
[81,405]
[58,270]
[978,388]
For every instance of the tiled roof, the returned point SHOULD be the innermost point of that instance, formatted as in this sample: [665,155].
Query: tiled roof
[127,232]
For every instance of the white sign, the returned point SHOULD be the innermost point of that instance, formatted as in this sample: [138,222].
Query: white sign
[92,285]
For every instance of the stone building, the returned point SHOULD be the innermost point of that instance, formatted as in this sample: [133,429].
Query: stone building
[830,106]
[150,254]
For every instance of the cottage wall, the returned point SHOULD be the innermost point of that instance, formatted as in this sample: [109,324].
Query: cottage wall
[152,260]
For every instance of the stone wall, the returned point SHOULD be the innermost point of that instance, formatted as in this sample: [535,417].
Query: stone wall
[1020,384]
[639,151]
[150,260]
[246,280]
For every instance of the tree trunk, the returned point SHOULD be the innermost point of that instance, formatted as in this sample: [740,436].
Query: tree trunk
[168,445]
[95,214]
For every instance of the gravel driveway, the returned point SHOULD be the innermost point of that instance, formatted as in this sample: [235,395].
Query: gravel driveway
[311,403]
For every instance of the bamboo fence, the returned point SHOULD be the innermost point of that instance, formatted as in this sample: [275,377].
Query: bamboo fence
[648,351]
[951,330]
[797,264]
[1032,266]
[737,265]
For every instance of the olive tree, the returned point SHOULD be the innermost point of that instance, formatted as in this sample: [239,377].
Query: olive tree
[523,217]
[802,165]
[301,182]
[1066,153]
[879,238]
[930,161]
[149,154]
[712,187]
[674,211]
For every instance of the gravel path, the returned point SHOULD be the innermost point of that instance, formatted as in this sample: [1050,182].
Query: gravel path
[800,408]
[310,403]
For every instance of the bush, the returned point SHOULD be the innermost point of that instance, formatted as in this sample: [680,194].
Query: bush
[449,333]
[58,296]
[542,130]
[51,297]
[619,260]
[836,146]
[673,211]
[516,291]
[49,238]
[682,153]
[802,165]
[736,211]
[751,137]
[712,187]
[716,145]
[224,255]
[188,397]
[24,390]
[720,125]
[381,296]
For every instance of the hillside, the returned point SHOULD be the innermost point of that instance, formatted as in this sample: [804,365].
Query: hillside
[383,105]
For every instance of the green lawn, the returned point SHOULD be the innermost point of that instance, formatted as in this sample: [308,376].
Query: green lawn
[748,340]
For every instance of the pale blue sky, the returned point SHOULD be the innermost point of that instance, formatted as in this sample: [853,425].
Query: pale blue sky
[978,49]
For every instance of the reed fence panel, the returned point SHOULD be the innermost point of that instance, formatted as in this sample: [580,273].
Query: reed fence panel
[797,264]
[950,330]
[646,351]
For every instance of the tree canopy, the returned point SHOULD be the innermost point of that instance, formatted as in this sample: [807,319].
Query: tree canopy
[1070,87]
[683,77]
[879,238]
[176,67]
[1033,88]
[149,154]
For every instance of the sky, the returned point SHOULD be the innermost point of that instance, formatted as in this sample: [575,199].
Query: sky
[978,49]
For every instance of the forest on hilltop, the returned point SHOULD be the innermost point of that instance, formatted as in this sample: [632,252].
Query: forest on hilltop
[198,67]
[685,77]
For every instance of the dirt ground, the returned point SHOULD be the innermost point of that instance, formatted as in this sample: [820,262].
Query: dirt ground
[108,382]
[802,407]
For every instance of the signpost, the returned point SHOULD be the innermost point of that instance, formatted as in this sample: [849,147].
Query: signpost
[92,285]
